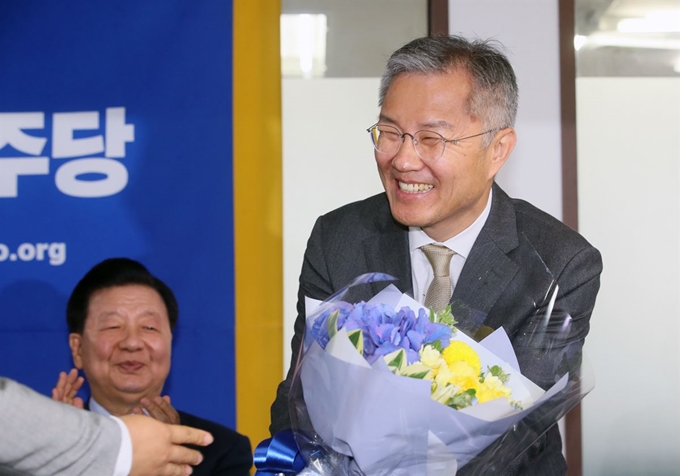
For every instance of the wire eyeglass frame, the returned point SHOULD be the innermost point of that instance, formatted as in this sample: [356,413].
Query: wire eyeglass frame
[375,132]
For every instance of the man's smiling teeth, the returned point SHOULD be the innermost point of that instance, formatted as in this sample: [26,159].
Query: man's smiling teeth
[415,187]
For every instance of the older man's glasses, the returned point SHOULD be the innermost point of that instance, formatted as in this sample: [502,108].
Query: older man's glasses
[428,145]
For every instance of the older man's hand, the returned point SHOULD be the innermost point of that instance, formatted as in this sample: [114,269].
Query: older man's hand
[67,387]
[157,447]
[158,408]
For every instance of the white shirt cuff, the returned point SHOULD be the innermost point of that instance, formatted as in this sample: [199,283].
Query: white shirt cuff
[124,460]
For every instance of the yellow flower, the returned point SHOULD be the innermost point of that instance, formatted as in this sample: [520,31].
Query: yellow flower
[442,376]
[463,375]
[492,388]
[461,352]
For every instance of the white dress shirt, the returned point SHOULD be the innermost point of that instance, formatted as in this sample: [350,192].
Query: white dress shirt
[461,244]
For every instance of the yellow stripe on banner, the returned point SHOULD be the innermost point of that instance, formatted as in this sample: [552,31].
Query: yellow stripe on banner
[258,231]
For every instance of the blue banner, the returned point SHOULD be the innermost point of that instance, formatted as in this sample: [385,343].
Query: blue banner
[116,140]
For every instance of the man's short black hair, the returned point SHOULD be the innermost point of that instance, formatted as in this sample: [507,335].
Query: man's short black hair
[114,272]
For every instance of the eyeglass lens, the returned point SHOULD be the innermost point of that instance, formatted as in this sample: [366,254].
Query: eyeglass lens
[388,140]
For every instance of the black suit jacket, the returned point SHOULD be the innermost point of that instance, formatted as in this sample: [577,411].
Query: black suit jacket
[520,253]
[228,455]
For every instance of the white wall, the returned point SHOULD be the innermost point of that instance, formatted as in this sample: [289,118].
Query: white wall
[629,207]
[528,29]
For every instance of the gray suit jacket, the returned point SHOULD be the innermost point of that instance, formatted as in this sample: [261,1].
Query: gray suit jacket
[517,258]
[39,436]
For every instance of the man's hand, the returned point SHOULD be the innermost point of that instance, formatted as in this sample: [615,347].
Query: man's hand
[67,388]
[157,450]
[158,408]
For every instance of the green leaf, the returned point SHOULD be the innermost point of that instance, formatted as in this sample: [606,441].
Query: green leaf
[446,317]
[497,371]
[462,399]
[437,345]
[332,324]
[396,360]
[418,375]
[356,337]
[416,370]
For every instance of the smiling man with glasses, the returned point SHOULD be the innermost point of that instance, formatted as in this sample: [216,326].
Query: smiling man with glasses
[445,129]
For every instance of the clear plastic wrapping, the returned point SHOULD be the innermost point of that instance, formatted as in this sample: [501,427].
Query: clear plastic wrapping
[372,393]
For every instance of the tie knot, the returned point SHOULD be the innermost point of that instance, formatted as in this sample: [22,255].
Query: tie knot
[439,258]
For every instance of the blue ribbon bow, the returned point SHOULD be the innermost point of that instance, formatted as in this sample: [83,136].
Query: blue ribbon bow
[280,454]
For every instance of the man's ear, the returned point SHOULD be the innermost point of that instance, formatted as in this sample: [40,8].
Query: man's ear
[75,341]
[500,149]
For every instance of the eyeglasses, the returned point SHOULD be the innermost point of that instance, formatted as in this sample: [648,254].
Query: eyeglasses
[428,145]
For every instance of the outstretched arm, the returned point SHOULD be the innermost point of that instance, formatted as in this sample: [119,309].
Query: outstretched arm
[42,437]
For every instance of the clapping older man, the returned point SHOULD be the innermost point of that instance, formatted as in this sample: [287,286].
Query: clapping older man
[120,320]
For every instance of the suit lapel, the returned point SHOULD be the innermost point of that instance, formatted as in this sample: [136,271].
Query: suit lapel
[387,251]
[488,270]
[389,254]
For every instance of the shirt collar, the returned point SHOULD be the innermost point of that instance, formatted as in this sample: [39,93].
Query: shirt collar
[462,242]
[97,408]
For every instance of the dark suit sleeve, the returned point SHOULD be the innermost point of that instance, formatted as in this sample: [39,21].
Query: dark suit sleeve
[230,453]
[545,308]
[550,342]
[314,283]
[548,345]
[236,460]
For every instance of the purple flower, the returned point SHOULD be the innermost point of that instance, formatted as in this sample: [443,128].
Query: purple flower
[320,326]
[383,329]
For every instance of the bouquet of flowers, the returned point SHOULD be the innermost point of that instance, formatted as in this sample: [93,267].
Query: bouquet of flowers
[387,387]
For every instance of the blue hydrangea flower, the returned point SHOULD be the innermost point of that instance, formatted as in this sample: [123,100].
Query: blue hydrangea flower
[383,329]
